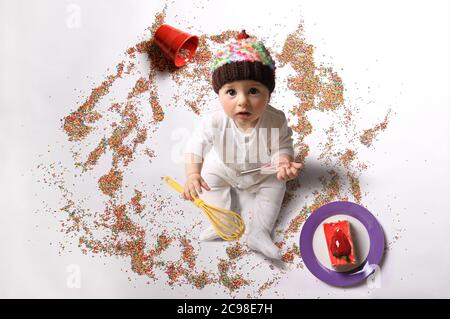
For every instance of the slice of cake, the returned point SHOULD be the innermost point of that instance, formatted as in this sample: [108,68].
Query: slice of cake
[340,243]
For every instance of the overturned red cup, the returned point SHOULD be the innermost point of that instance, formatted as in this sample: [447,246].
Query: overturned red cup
[176,45]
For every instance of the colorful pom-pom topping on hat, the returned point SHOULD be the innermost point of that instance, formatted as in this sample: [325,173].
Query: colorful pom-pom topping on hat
[243,48]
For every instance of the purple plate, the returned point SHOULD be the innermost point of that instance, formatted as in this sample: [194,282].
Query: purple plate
[367,267]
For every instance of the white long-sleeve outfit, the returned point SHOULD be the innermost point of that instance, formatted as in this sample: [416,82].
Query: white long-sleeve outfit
[227,150]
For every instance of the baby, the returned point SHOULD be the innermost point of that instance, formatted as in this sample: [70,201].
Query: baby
[245,133]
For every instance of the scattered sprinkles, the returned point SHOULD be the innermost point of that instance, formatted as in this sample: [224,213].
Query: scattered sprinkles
[136,202]
[139,226]
[188,254]
[370,134]
[356,189]
[235,251]
[231,282]
[110,182]
[292,252]
[347,157]
[74,124]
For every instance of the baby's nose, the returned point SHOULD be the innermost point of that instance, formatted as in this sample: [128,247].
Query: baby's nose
[243,100]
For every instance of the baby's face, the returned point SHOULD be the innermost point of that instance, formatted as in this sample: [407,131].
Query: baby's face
[244,101]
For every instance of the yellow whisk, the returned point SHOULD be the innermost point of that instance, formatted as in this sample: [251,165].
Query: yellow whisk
[228,224]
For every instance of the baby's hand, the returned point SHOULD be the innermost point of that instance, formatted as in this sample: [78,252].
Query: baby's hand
[193,186]
[288,170]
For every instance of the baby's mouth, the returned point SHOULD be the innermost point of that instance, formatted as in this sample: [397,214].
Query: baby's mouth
[244,114]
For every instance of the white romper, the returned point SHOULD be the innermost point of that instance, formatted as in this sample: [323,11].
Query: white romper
[226,150]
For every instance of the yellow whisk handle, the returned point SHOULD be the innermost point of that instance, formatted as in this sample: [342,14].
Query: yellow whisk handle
[174,184]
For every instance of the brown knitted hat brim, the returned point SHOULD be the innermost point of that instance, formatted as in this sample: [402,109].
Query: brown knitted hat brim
[243,70]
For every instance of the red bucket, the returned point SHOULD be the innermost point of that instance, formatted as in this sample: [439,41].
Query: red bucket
[176,45]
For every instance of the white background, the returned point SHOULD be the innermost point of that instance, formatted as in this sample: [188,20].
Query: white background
[397,48]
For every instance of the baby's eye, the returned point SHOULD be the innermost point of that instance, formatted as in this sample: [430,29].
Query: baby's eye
[253,91]
[231,92]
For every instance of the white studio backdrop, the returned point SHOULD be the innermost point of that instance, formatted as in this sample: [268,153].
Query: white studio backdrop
[398,49]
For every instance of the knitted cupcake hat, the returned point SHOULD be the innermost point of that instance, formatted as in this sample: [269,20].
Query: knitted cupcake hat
[245,58]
